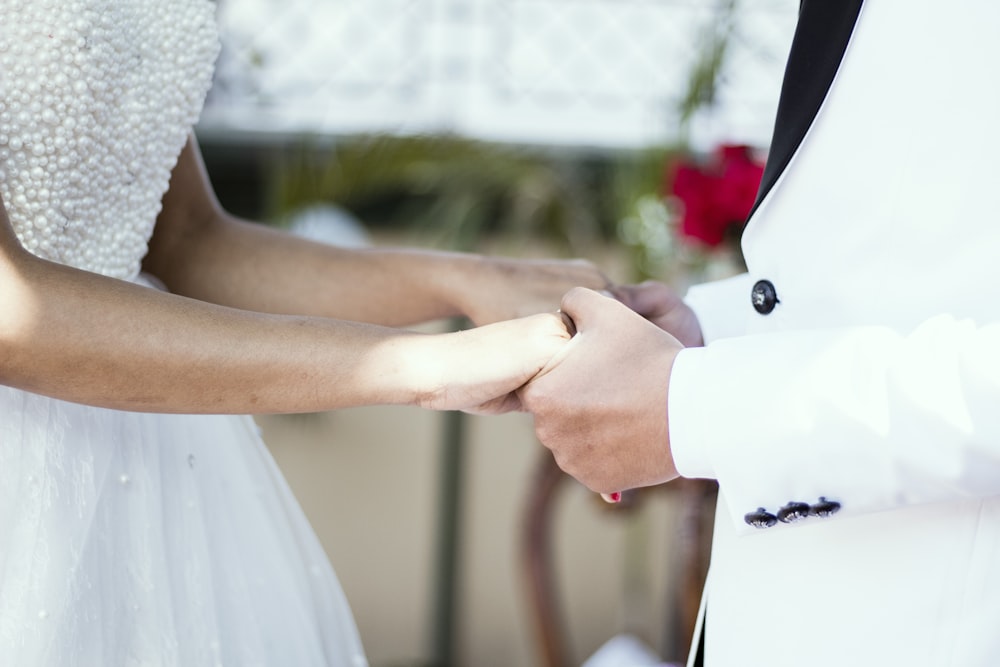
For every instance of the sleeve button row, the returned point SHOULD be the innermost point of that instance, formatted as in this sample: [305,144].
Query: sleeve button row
[792,512]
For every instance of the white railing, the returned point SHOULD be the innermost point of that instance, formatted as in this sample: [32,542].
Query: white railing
[579,72]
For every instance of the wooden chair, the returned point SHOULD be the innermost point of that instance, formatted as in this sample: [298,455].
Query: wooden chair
[695,529]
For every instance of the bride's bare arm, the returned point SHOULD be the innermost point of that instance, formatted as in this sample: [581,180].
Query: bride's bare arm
[83,337]
[200,251]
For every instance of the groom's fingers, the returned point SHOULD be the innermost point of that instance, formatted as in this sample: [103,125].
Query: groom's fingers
[569,322]
[582,309]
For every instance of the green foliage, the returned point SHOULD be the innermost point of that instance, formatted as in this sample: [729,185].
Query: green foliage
[456,193]
[703,79]
[643,222]
[451,190]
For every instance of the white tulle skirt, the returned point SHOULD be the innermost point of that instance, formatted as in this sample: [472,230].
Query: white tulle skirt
[138,539]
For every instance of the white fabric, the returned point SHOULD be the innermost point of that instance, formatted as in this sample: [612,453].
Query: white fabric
[96,100]
[135,539]
[624,651]
[719,305]
[876,381]
[125,538]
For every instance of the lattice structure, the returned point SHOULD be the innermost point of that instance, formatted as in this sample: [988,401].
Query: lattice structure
[603,72]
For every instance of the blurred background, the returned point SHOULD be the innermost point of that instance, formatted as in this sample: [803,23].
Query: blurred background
[629,132]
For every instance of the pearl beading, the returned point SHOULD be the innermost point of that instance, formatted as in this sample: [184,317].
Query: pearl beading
[97,98]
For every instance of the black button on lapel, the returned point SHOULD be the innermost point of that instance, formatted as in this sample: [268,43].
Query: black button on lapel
[824,507]
[761,518]
[793,511]
[764,297]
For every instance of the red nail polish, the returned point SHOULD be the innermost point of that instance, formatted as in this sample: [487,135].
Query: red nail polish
[616,497]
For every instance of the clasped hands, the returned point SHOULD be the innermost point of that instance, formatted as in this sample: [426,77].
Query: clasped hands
[595,376]
[600,403]
[596,382]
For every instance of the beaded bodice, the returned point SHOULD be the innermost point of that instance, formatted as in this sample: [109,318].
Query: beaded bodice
[97,98]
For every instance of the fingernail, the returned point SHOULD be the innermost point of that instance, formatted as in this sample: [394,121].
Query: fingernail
[612,498]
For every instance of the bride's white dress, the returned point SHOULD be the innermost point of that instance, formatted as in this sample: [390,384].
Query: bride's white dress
[125,538]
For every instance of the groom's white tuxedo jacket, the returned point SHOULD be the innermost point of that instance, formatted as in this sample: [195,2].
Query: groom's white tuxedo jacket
[851,380]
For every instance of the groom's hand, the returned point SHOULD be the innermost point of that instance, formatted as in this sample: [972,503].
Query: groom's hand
[600,404]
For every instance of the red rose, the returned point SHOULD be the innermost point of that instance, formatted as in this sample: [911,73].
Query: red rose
[716,195]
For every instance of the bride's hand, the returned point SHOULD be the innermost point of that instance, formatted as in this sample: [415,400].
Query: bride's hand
[478,370]
[492,289]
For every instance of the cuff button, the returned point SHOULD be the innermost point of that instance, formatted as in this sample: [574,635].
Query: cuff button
[824,507]
[760,519]
[793,512]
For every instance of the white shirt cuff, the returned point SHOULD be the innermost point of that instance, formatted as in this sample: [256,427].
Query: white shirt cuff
[684,408]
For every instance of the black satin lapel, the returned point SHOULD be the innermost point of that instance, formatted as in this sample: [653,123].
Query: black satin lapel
[821,36]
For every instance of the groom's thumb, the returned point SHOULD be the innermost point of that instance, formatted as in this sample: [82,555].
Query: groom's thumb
[583,305]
